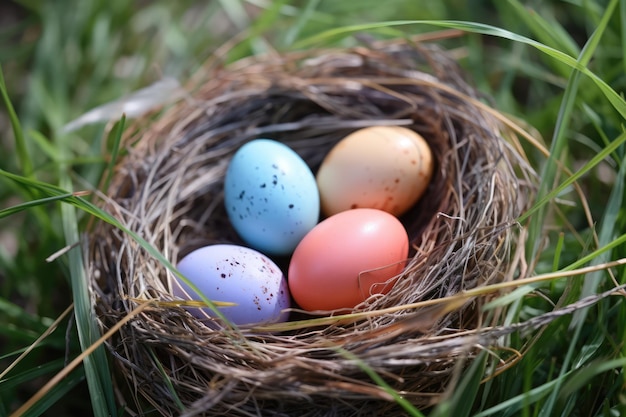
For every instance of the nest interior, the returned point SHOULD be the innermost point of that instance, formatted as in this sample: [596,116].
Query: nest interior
[168,189]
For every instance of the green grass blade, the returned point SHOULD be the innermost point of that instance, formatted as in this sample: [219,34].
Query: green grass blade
[8,355]
[559,139]
[549,172]
[168,381]
[18,313]
[59,391]
[619,141]
[44,145]
[516,294]
[605,236]
[96,365]
[117,139]
[33,203]
[516,403]
[20,141]
[557,252]
[30,374]
[617,242]
[406,405]
[622,18]
[614,98]
[589,286]
[596,121]
[550,33]
[464,394]
[292,33]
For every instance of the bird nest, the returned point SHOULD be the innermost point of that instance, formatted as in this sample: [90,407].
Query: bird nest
[167,189]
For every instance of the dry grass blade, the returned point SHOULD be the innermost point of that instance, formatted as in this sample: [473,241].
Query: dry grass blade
[74,363]
[37,342]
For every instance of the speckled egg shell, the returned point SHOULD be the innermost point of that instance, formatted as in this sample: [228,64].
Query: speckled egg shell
[271,196]
[235,274]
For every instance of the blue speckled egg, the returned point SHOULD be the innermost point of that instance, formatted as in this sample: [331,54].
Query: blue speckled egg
[271,196]
[239,275]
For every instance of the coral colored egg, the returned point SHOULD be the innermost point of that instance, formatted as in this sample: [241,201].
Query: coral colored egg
[235,274]
[346,258]
[381,167]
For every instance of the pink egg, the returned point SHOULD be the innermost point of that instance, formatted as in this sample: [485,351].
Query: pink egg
[346,258]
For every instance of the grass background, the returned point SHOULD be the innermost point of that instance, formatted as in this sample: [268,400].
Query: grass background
[60,59]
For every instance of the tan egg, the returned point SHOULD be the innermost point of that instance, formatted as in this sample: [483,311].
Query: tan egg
[382,167]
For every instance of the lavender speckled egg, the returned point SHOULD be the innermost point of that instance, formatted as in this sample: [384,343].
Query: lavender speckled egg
[271,196]
[236,274]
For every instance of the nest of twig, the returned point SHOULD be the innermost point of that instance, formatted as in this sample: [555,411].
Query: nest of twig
[168,189]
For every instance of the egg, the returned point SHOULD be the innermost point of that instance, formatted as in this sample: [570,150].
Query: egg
[346,258]
[235,274]
[271,196]
[381,167]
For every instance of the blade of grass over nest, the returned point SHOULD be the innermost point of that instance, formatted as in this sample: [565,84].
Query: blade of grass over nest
[613,97]
[74,200]
[406,405]
[167,380]
[459,403]
[20,141]
[96,366]
[620,240]
[117,139]
[449,303]
[516,297]
[34,203]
